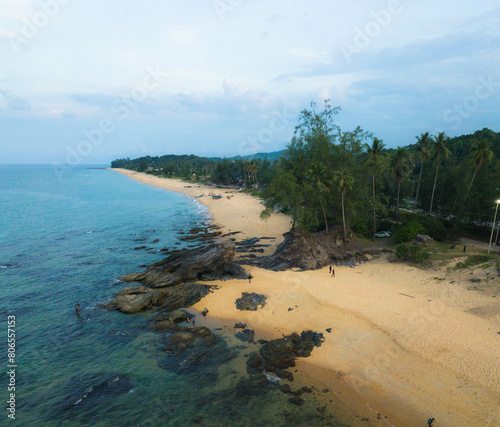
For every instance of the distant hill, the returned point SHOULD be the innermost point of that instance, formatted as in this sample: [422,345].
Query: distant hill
[272,156]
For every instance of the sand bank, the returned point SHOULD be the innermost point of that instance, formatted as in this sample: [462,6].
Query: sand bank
[410,343]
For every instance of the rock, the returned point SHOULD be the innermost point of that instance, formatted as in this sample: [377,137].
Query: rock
[132,300]
[306,389]
[213,261]
[284,375]
[246,335]
[285,388]
[240,325]
[255,364]
[250,301]
[325,390]
[201,331]
[177,316]
[204,312]
[156,240]
[255,385]
[263,341]
[296,400]
[310,251]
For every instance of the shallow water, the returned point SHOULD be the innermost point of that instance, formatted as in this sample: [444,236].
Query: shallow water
[68,239]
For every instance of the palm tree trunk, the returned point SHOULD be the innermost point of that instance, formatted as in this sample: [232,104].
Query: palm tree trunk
[374,213]
[324,215]
[434,188]
[397,204]
[418,186]
[473,177]
[343,219]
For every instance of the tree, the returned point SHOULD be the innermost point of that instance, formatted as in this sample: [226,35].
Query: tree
[143,166]
[345,181]
[401,166]
[423,153]
[480,153]
[318,176]
[440,151]
[374,162]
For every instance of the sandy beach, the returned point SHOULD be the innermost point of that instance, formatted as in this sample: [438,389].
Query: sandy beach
[409,343]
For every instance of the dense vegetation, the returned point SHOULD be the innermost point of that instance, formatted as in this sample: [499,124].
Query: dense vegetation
[329,176]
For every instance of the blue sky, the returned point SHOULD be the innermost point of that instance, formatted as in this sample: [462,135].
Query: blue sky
[90,81]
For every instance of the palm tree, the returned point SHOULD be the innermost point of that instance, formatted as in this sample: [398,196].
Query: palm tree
[440,151]
[480,153]
[318,176]
[423,142]
[401,166]
[345,182]
[374,161]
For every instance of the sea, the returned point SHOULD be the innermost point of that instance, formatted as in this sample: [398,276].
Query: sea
[67,238]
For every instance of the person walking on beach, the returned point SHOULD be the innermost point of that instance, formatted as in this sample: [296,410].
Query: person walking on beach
[250,277]
[77,308]
[430,422]
[330,269]
[194,320]
[333,272]
[465,249]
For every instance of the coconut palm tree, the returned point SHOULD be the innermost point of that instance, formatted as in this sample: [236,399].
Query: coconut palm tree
[401,165]
[480,153]
[318,176]
[423,142]
[440,151]
[374,162]
[345,181]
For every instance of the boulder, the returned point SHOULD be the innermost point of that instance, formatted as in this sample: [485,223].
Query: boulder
[250,301]
[246,335]
[240,325]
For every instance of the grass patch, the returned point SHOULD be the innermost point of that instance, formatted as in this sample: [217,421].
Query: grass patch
[471,261]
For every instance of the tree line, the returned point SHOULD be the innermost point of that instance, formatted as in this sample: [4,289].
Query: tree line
[329,176]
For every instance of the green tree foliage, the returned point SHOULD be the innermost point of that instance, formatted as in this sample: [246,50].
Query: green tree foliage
[409,231]
[401,165]
[440,151]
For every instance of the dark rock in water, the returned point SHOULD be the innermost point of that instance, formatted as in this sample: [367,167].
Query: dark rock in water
[262,341]
[306,389]
[210,262]
[310,251]
[280,354]
[133,300]
[284,375]
[255,385]
[250,301]
[246,335]
[296,400]
[204,312]
[156,240]
[240,325]
[139,248]
[285,388]
[176,316]
[89,391]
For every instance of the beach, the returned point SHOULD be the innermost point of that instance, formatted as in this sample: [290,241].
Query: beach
[405,342]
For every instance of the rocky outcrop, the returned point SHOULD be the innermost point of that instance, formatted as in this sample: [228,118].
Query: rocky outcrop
[280,354]
[133,300]
[310,251]
[213,261]
[250,301]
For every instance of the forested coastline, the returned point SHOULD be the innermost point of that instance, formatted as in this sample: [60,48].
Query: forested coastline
[332,177]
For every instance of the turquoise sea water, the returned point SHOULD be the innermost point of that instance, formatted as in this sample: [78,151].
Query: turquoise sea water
[67,239]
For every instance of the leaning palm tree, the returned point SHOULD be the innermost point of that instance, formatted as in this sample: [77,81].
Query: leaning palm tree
[318,176]
[423,142]
[401,165]
[345,182]
[480,153]
[440,152]
[374,162]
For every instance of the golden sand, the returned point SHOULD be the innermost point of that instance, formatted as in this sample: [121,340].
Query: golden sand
[410,343]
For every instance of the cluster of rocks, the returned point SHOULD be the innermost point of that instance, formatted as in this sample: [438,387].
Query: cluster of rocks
[250,301]
[170,283]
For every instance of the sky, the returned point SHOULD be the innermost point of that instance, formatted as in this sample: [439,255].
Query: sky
[87,81]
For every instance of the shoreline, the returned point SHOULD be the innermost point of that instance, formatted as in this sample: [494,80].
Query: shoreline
[413,343]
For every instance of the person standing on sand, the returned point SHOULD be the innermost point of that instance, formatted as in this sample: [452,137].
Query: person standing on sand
[250,277]
[330,269]
[430,422]
[333,272]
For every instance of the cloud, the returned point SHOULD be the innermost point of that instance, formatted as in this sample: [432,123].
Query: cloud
[11,102]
